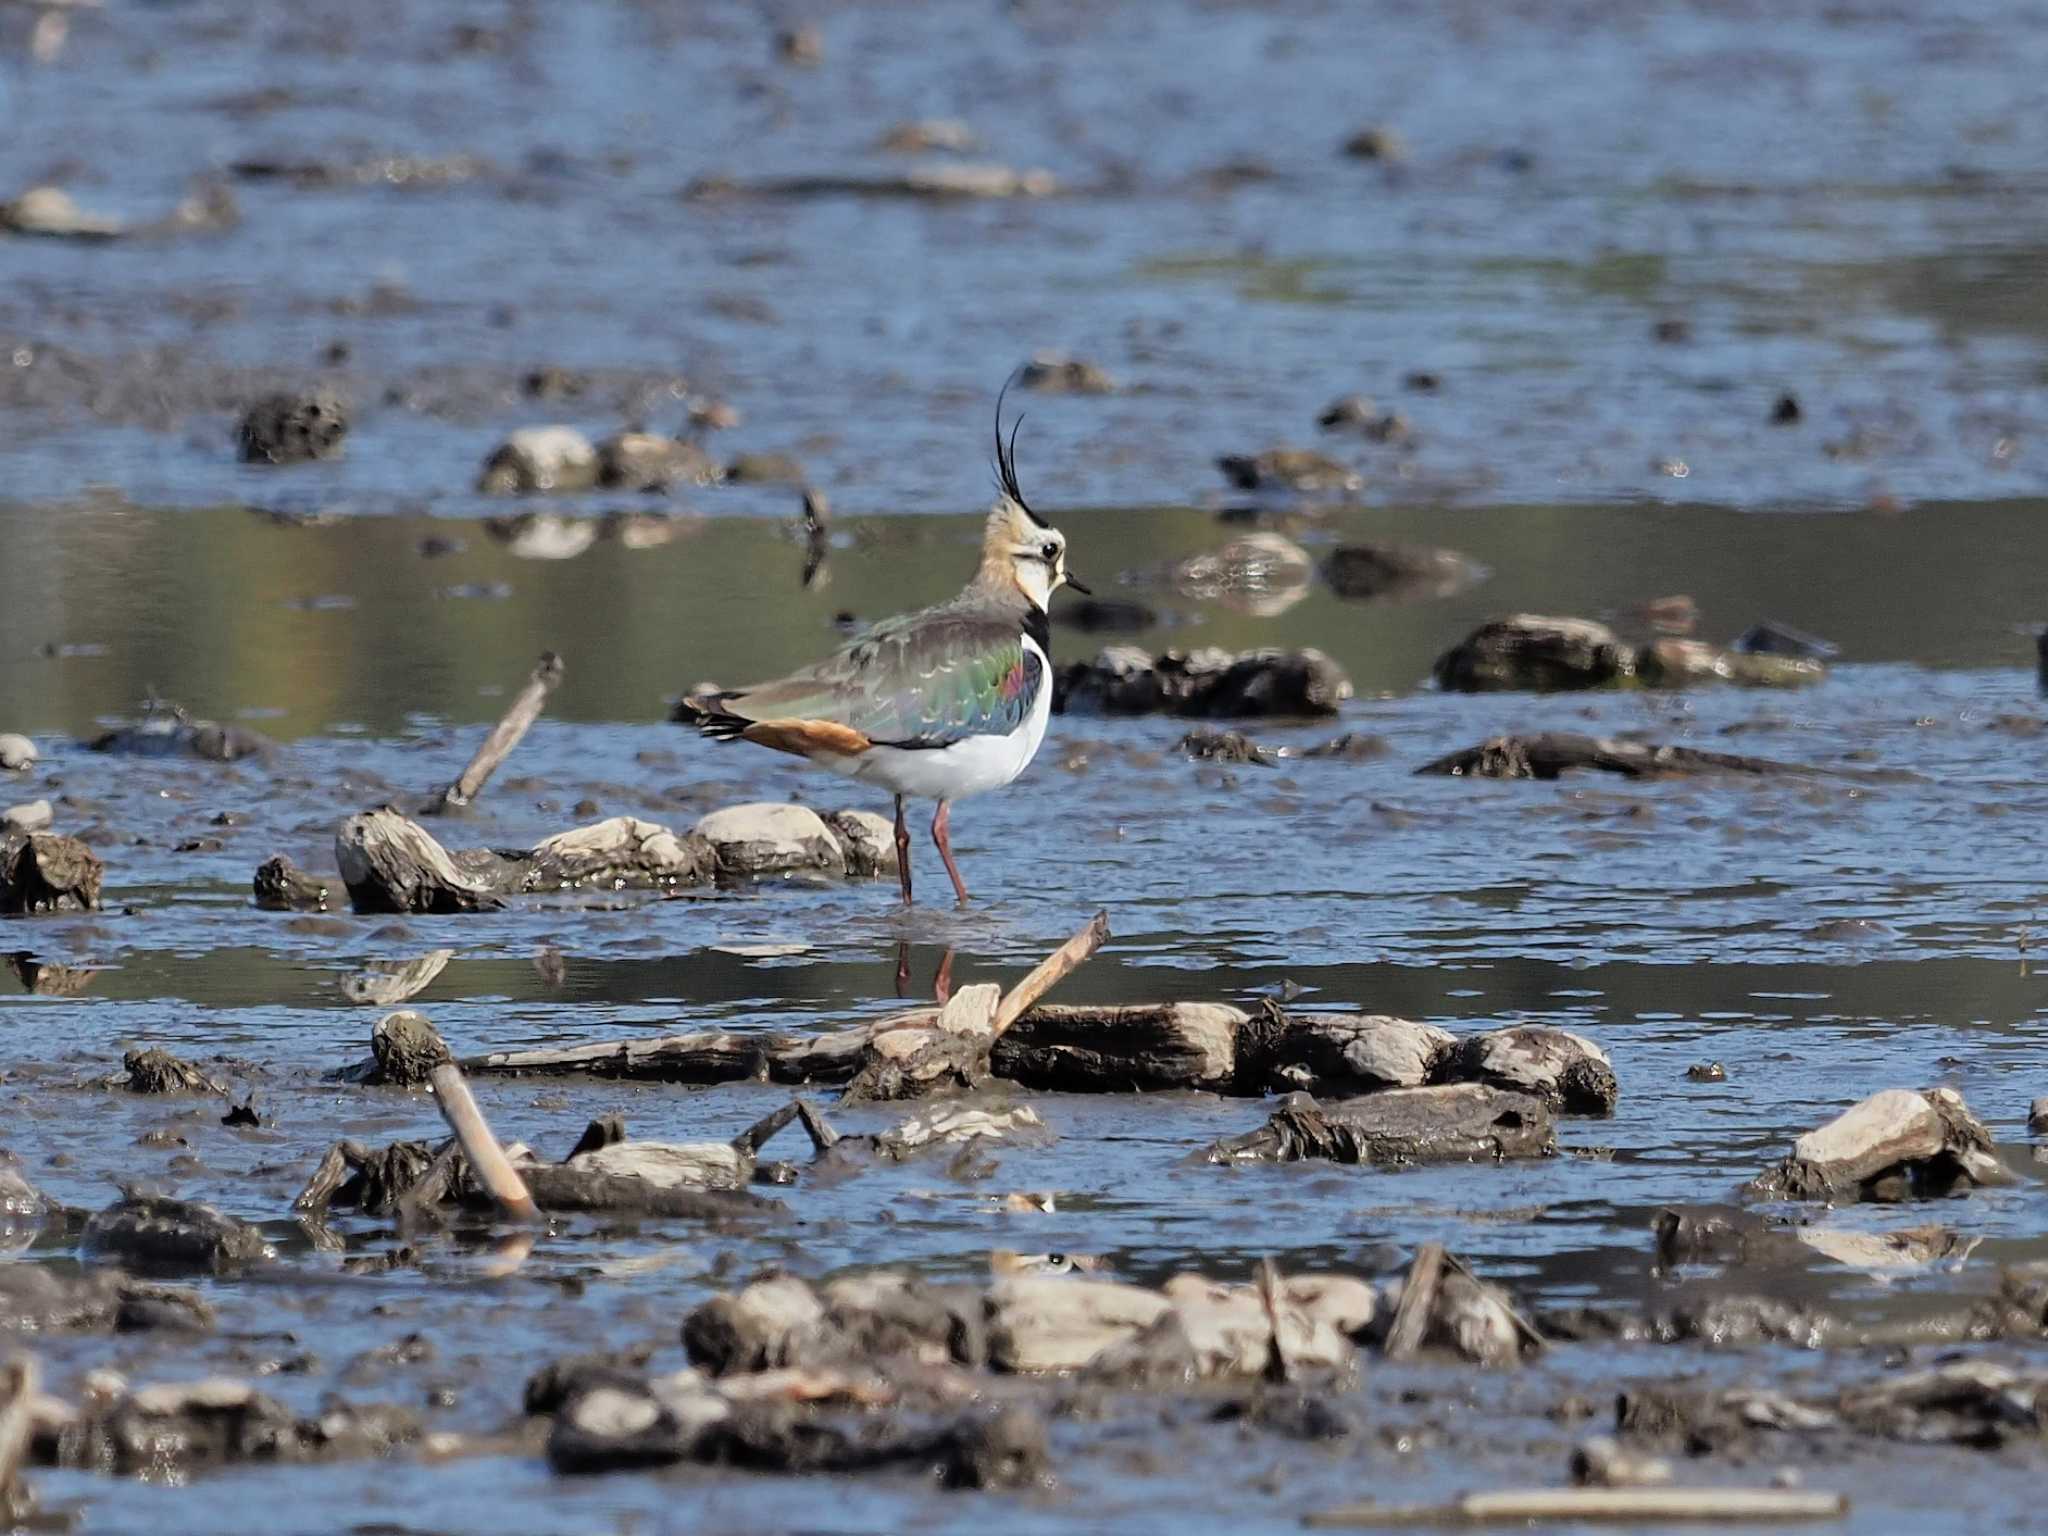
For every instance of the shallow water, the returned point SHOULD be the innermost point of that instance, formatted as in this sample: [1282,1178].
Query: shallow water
[1838,204]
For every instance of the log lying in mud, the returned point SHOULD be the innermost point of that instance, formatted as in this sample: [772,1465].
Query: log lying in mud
[44,872]
[1895,1145]
[1526,651]
[1463,1122]
[1552,753]
[1202,684]
[510,730]
[392,864]
[1148,1047]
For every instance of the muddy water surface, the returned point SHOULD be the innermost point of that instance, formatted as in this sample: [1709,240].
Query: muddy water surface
[1838,206]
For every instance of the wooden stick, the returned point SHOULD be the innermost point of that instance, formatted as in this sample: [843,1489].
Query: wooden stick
[486,1158]
[505,735]
[1715,1506]
[1418,1300]
[1051,971]
[18,1386]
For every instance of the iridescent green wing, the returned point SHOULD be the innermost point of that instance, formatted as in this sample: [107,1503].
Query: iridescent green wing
[926,680]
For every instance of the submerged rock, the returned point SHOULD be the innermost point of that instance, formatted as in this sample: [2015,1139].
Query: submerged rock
[540,459]
[1896,1145]
[166,730]
[1289,469]
[1464,1122]
[1052,374]
[292,429]
[772,838]
[17,753]
[156,1071]
[157,1234]
[53,214]
[1399,572]
[1532,652]
[1528,651]
[1207,683]
[280,885]
[31,816]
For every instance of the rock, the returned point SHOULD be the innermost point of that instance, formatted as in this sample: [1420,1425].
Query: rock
[868,841]
[158,1071]
[770,838]
[42,872]
[1463,1122]
[292,429]
[774,1322]
[927,134]
[933,182]
[156,1234]
[1289,469]
[1058,1323]
[1399,572]
[1381,144]
[17,753]
[1552,753]
[1771,638]
[1706,1072]
[540,459]
[1206,683]
[1528,651]
[1049,373]
[1355,413]
[1675,663]
[765,469]
[1785,410]
[1350,747]
[51,213]
[1894,1145]
[33,816]
[646,461]
[1340,1054]
[1225,747]
[2037,1117]
[166,730]
[804,46]
[1567,1071]
[1600,1462]
[281,886]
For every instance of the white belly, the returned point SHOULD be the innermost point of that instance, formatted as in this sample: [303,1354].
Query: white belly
[970,767]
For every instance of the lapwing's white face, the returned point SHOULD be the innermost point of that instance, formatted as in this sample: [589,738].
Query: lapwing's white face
[1040,562]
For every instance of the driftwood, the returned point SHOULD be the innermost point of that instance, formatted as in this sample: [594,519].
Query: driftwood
[1551,753]
[486,1158]
[505,735]
[392,864]
[1895,1145]
[1443,1304]
[1464,1122]
[1094,1049]
[45,872]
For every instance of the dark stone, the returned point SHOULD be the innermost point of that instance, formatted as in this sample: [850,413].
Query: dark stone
[293,429]
[156,1233]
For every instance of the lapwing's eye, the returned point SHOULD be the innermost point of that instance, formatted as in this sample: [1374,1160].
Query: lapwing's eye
[1049,552]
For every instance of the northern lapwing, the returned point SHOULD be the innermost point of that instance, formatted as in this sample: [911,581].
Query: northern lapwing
[939,704]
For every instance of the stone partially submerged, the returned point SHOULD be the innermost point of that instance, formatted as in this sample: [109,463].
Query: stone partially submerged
[1534,652]
[1900,1144]
[1455,1123]
[1550,754]
[1203,684]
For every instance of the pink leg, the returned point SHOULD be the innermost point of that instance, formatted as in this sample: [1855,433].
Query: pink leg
[902,851]
[941,823]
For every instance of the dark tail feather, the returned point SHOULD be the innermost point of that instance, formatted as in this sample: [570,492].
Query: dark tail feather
[708,714]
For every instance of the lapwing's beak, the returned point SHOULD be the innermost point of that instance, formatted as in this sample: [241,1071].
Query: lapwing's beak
[1069,580]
